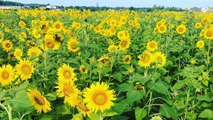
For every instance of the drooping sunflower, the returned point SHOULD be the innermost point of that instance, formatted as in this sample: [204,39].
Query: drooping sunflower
[69,91]
[65,72]
[208,33]
[7,74]
[7,45]
[18,53]
[159,59]
[181,29]
[39,102]
[127,59]
[82,108]
[25,69]
[200,44]
[73,45]
[83,70]
[98,97]
[145,59]
[152,45]
[124,44]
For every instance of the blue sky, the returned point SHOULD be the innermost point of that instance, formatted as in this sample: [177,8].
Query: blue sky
[126,3]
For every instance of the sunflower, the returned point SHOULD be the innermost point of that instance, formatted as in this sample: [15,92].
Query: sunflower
[152,45]
[58,37]
[39,102]
[208,33]
[7,45]
[49,42]
[65,72]
[162,29]
[69,91]
[82,108]
[181,29]
[36,34]
[58,25]
[11,55]
[105,60]
[112,48]
[7,74]
[73,45]
[112,31]
[83,70]
[22,36]
[159,59]
[124,44]
[98,97]
[18,53]
[22,24]
[127,59]
[25,69]
[200,44]
[198,25]
[145,59]
[123,35]
[1,36]
[34,51]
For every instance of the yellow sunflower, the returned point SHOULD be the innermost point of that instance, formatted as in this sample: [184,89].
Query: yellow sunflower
[198,25]
[7,74]
[83,70]
[200,44]
[124,44]
[152,45]
[181,29]
[7,45]
[58,25]
[22,36]
[162,29]
[127,59]
[22,24]
[1,36]
[208,33]
[82,108]
[112,48]
[145,59]
[34,51]
[39,102]
[159,59]
[49,42]
[18,53]
[36,33]
[98,97]
[69,91]
[73,45]
[25,69]
[65,72]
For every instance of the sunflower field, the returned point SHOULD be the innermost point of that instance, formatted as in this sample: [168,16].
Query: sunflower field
[106,65]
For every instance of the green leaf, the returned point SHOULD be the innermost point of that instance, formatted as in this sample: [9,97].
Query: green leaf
[207,97]
[21,100]
[158,87]
[47,117]
[94,116]
[51,96]
[109,113]
[126,87]
[207,113]
[168,111]
[140,113]
[138,77]
[134,95]
[120,107]
[178,85]
[63,110]
[117,76]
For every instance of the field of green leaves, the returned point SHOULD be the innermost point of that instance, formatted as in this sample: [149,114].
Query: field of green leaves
[106,65]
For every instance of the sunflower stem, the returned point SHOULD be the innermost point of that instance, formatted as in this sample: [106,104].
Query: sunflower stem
[100,116]
[9,111]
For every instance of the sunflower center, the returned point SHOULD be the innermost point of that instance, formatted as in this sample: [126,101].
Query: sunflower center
[124,43]
[209,33]
[162,28]
[8,45]
[99,98]
[67,74]
[180,29]
[127,59]
[67,89]
[57,26]
[50,44]
[152,45]
[39,100]
[26,69]
[145,58]
[5,75]
[159,59]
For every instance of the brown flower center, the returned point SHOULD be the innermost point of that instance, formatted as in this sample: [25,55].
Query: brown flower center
[99,98]
[5,75]
[39,100]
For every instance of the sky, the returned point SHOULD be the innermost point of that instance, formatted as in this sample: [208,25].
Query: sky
[125,3]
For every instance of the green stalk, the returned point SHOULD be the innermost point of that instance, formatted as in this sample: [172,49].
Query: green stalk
[9,111]
[187,101]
